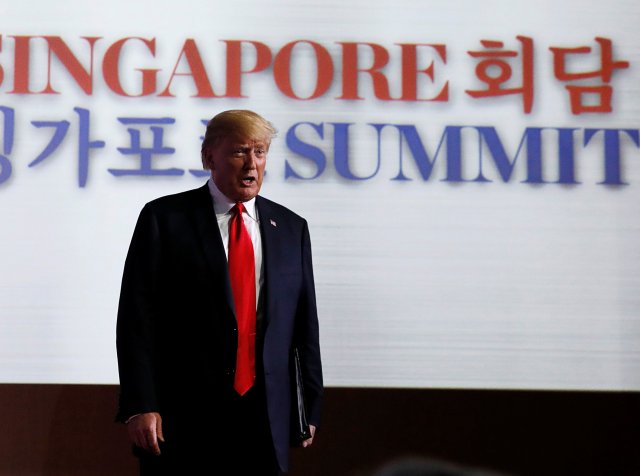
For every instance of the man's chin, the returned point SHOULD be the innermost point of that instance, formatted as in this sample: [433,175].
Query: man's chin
[246,193]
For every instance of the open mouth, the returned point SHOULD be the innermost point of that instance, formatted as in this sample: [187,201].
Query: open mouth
[248,180]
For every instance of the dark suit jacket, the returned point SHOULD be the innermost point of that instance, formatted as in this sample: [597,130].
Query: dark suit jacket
[176,330]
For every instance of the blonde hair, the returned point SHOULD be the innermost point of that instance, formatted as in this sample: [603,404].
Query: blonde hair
[238,123]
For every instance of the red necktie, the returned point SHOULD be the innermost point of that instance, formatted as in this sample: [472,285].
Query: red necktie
[243,285]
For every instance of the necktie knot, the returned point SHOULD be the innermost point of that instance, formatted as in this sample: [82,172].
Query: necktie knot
[238,208]
[237,230]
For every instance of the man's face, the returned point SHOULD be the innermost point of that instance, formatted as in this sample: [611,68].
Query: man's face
[237,166]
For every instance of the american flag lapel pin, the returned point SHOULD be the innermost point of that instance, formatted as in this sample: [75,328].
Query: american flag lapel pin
[273,222]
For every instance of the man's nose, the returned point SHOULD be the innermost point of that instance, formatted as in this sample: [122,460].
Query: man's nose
[250,160]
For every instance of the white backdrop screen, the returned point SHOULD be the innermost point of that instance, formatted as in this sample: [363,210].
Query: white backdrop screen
[470,172]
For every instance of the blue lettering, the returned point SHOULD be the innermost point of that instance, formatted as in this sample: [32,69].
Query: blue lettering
[308,151]
[420,156]
[341,153]
[612,173]
[566,162]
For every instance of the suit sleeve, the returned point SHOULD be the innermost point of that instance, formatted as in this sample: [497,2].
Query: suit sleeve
[135,322]
[308,335]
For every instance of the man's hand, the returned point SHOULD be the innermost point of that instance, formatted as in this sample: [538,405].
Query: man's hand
[306,443]
[145,430]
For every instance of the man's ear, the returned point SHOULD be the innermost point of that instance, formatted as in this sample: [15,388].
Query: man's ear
[207,163]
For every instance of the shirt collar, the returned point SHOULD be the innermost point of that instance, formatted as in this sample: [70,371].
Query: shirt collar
[222,205]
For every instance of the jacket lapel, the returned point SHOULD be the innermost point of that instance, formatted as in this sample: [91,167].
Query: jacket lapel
[207,226]
[269,234]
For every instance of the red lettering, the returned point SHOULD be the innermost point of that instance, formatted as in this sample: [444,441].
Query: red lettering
[282,70]
[21,65]
[1,70]
[410,72]
[111,68]
[83,78]
[234,64]
[302,69]
[350,71]
[197,72]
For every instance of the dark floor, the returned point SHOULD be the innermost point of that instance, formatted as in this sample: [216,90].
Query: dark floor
[68,430]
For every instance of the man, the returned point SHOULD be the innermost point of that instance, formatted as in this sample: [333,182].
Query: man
[206,383]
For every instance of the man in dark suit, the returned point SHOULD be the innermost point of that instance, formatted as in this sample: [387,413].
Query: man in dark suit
[187,334]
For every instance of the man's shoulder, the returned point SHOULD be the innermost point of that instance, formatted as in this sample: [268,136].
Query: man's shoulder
[275,208]
[178,200]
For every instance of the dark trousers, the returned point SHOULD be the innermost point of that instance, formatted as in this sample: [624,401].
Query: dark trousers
[236,441]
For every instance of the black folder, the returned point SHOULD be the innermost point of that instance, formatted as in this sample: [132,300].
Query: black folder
[299,424]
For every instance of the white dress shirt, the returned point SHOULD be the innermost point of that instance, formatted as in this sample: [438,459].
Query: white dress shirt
[222,207]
